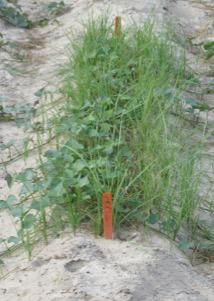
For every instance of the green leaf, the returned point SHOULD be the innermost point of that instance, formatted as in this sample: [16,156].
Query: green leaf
[7,145]
[50,153]
[13,239]
[3,204]
[134,203]
[169,225]
[3,146]
[28,221]
[13,71]
[14,15]
[79,165]
[55,8]
[17,211]
[70,174]
[75,144]
[208,45]
[9,180]
[10,200]
[58,190]
[153,219]
[185,245]
[192,102]
[210,54]
[93,133]
[43,22]
[40,92]
[27,188]
[140,217]
[195,104]
[26,175]
[41,204]
[83,182]
[189,110]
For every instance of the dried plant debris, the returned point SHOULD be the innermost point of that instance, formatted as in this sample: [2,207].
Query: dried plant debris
[12,13]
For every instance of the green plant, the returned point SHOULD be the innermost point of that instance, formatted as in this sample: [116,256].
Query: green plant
[209,47]
[13,14]
[55,8]
[115,131]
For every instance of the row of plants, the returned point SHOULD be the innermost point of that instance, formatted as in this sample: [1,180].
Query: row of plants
[120,128]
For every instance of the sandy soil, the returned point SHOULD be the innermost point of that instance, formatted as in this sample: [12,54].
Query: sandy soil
[82,267]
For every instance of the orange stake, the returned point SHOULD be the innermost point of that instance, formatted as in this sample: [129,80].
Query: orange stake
[107,215]
[117,26]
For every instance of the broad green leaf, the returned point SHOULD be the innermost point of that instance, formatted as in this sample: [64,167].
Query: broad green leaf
[93,133]
[153,219]
[208,45]
[92,54]
[43,22]
[9,180]
[3,204]
[55,8]
[79,165]
[10,200]
[134,203]
[185,245]
[195,104]
[17,211]
[83,182]
[13,239]
[51,153]
[58,190]
[4,146]
[27,188]
[75,144]
[40,92]
[169,225]
[41,204]
[28,221]
[192,102]
[70,173]
[13,14]
[140,217]
[26,175]
[13,71]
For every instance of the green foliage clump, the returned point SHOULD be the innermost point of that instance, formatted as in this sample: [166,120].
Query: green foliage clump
[115,131]
[13,14]
[55,8]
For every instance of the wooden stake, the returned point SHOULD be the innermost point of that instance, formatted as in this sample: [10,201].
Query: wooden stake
[117,26]
[107,215]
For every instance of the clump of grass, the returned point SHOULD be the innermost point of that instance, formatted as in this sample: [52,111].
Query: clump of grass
[118,130]
[120,95]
